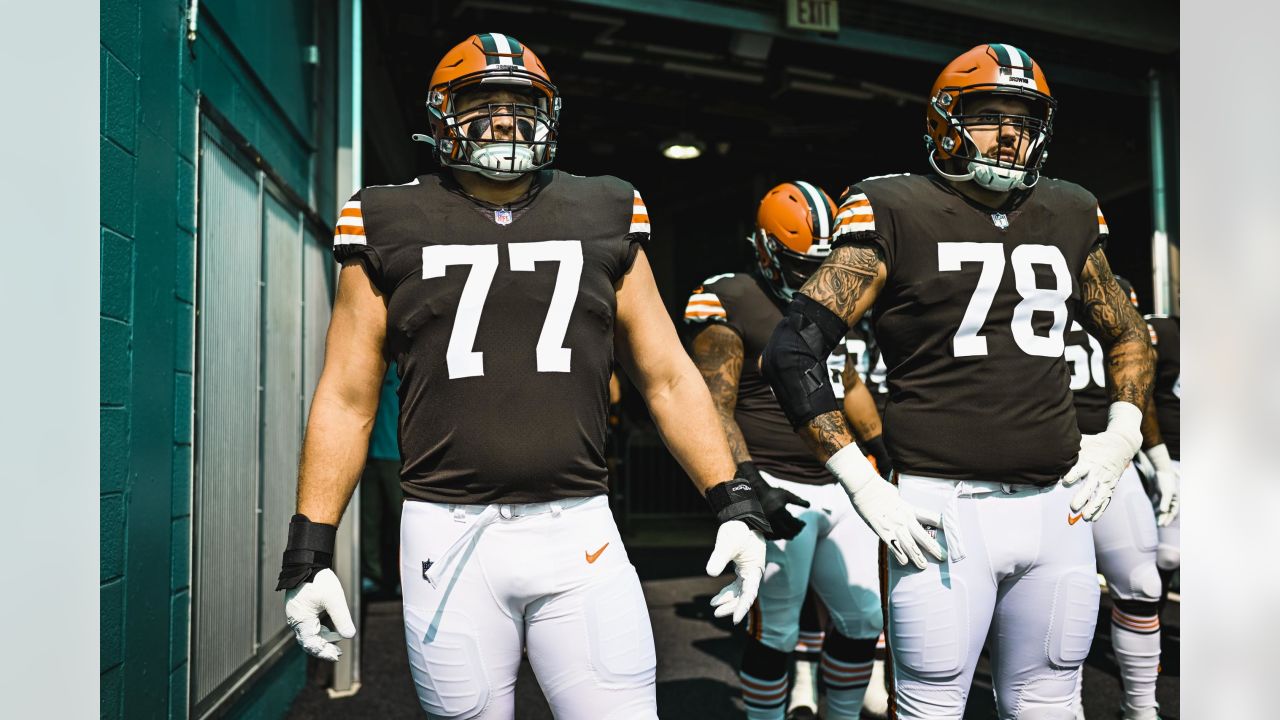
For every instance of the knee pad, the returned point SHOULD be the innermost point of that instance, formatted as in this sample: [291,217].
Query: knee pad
[929,632]
[1168,557]
[444,659]
[619,634]
[859,615]
[1046,698]
[1075,616]
[1144,585]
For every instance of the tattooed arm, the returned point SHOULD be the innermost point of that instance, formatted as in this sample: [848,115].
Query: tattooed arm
[1110,317]
[847,284]
[717,352]
[859,406]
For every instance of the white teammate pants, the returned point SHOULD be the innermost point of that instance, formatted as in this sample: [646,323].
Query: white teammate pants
[1020,574]
[1169,553]
[481,583]
[836,553]
[1125,541]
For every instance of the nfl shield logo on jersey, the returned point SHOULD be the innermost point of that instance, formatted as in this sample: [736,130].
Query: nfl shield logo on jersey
[502,216]
[1001,220]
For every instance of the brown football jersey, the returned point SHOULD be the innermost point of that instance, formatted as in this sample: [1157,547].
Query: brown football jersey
[745,304]
[971,322]
[501,322]
[1165,330]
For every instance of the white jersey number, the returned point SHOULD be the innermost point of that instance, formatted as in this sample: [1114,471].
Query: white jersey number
[1086,363]
[463,361]
[967,342]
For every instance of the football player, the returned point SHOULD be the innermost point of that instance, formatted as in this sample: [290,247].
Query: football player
[1125,538]
[503,290]
[821,542]
[1166,401]
[973,272]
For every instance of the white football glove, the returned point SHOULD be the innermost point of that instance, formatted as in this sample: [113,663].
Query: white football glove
[303,606]
[1102,458]
[1166,484]
[897,523]
[745,547]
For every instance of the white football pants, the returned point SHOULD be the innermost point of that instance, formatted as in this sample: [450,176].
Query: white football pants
[836,553]
[484,582]
[1125,541]
[1020,574]
[1169,553]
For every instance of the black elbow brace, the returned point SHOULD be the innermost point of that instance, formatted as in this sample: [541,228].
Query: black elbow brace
[795,360]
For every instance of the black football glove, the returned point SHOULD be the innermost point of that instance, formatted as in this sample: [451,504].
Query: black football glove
[774,502]
[875,449]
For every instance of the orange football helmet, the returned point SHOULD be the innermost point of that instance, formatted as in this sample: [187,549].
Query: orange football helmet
[998,69]
[487,60]
[794,225]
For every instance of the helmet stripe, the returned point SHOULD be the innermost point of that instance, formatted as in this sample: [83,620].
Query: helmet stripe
[818,209]
[1002,53]
[1027,64]
[490,48]
[517,50]
[503,48]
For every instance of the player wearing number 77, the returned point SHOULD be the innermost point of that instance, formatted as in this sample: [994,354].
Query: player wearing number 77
[503,290]
[974,272]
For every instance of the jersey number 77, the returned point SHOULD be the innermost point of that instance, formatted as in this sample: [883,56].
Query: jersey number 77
[462,359]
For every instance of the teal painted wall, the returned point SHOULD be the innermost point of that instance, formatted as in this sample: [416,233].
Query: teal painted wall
[248,60]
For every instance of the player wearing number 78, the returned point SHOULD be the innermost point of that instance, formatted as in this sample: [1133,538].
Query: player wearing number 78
[503,290]
[974,272]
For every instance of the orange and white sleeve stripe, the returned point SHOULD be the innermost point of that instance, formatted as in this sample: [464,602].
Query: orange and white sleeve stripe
[704,306]
[855,215]
[1135,623]
[639,215]
[350,227]
[1102,223]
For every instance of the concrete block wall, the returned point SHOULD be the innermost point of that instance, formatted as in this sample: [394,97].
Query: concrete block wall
[150,79]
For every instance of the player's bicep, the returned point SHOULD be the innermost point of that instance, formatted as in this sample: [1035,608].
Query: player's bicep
[353,359]
[848,281]
[644,336]
[1106,311]
[717,352]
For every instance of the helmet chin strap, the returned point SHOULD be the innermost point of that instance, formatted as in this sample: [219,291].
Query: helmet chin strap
[992,177]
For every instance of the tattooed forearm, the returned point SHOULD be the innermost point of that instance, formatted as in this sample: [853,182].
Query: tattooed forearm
[826,433]
[1111,318]
[848,281]
[717,352]
[859,406]
[1151,436]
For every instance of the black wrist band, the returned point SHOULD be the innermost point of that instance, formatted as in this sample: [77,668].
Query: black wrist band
[737,500]
[309,550]
[875,448]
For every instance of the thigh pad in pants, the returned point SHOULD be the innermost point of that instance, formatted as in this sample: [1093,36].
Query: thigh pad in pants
[445,661]
[1075,615]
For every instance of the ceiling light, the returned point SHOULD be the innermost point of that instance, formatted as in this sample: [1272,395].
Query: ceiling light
[684,146]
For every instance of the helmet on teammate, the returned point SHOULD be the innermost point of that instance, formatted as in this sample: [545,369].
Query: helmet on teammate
[492,61]
[794,225]
[995,69]
[1127,288]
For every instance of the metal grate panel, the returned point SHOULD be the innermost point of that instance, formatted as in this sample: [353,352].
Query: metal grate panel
[225,599]
[281,398]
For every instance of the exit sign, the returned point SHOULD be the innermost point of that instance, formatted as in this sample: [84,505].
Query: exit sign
[820,15]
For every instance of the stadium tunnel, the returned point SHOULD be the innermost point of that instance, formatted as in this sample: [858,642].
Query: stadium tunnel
[232,131]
